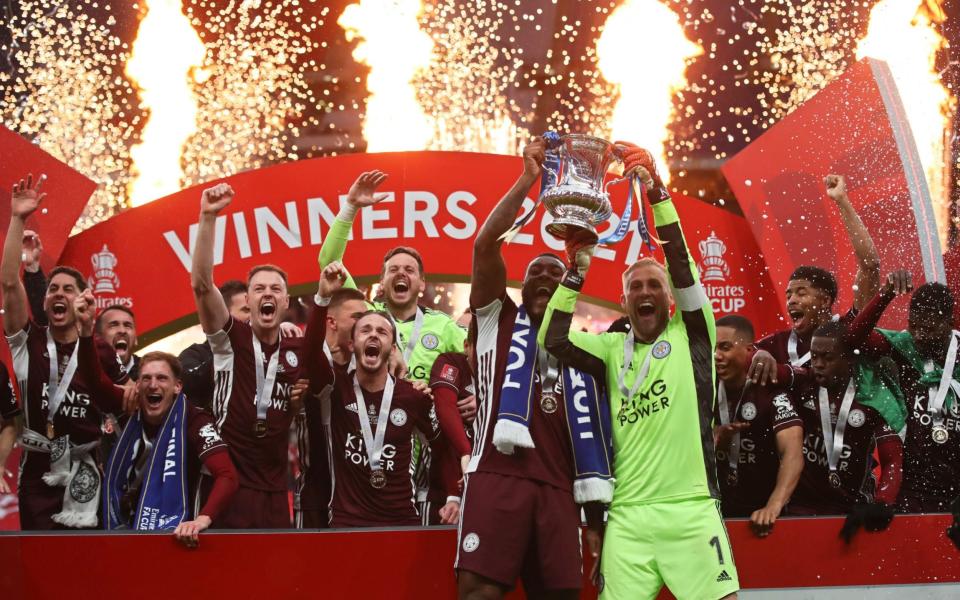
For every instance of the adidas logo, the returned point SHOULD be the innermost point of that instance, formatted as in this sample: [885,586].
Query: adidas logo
[809,404]
[723,576]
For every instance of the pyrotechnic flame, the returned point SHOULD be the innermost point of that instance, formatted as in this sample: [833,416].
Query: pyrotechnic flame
[166,51]
[644,51]
[63,90]
[394,47]
[903,33]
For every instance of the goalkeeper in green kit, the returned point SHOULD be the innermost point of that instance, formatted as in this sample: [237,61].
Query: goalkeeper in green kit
[664,524]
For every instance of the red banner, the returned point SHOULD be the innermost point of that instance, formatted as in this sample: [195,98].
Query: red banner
[67,192]
[854,127]
[437,201]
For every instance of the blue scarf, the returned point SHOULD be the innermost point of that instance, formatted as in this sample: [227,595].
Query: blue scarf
[162,503]
[587,410]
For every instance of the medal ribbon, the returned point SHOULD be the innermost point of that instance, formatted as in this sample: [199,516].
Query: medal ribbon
[796,361]
[628,347]
[56,387]
[938,397]
[414,335]
[549,371]
[373,441]
[733,455]
[833,438]
[266,380]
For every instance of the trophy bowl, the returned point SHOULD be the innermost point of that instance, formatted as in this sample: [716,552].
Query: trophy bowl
[577,198]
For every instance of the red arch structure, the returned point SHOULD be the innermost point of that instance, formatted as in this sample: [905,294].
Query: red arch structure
[437,202]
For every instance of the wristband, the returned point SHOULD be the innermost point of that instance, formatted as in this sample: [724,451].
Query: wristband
[321,300]
[453,499]
[572,279]
[347,212]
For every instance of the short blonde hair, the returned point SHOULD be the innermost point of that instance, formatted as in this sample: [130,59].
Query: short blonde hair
[646,261]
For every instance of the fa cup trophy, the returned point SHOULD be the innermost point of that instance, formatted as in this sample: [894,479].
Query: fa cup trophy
[572,188]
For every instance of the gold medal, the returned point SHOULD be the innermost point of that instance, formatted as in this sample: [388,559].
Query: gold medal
[260,428]
[378,479]
[51,432]
[940,434]
[834,480]
[548,403]
[732,478]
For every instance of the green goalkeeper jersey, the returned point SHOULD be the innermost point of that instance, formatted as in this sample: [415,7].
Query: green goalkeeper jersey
[662,431]
[438,332]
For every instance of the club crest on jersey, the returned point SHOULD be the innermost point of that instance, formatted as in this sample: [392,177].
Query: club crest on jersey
[398,417]
[291,357]
[661,349]
[856,418]
[430,341]
[749,411]
[471,542]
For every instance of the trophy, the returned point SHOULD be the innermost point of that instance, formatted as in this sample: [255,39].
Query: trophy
[572,188]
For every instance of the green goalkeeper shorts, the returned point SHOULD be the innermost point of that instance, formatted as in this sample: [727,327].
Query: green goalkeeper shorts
[682,544]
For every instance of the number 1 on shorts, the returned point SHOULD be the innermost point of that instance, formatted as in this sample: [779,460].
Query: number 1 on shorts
[715,541]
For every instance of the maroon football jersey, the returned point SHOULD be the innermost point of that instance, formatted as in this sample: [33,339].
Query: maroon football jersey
[8,398]
[551,459]
[768,411]
[261,462]
[865,427]
[79,416]
[450,371]
[777,343]
[356,503]
[930,470]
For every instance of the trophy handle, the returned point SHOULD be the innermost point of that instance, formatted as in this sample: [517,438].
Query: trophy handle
[606,187]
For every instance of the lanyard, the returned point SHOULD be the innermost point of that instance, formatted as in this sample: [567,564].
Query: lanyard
[373,441]
[266,380]
[939,397]
[833,438]
[56,387]
[628,348]
[733,456]
[414,335]
[796,361]
[549,371]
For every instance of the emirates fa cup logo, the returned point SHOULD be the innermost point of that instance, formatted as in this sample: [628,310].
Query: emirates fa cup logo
[713,267]
[104,280]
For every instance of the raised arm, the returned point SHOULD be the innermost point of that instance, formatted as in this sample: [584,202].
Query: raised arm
[861,334]
[34,281]
[868,261]
[319,368]
[577,349]
[106,396]
[361,194]
[25,199]
[489,279]
[210,305]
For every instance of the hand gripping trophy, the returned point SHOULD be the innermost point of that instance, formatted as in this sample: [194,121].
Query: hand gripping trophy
[572,189]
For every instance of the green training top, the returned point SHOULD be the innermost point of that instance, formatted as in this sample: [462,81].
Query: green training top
[662,433]
[439,332]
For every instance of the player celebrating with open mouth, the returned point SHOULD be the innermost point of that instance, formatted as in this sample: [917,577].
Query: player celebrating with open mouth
[664,524]
[372,418]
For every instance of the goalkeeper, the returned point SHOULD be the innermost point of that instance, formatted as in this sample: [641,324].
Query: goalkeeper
[664,524]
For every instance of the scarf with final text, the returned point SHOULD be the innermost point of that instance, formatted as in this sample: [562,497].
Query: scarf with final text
[146,481]
[587,413]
